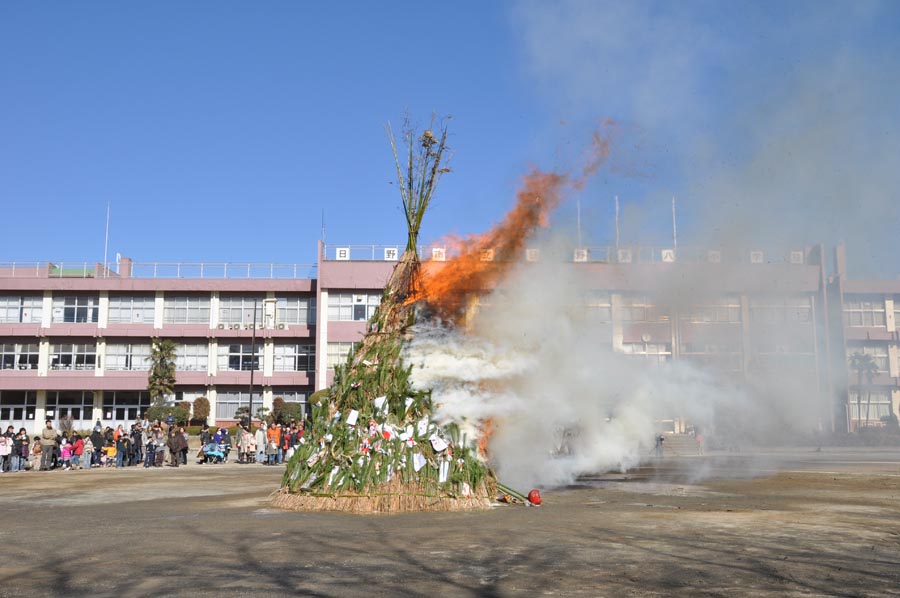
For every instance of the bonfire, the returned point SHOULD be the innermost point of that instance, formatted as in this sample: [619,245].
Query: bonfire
[372,446]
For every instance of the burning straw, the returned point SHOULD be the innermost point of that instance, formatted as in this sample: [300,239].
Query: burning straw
[372,445]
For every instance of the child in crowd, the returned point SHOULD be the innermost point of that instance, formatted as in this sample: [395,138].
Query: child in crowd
[36,453]
[109,453]
[23,450]
[271,452]
[88,453]
[150,449]
[65,454]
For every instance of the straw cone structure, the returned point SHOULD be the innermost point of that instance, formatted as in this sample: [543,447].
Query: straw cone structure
[371,446]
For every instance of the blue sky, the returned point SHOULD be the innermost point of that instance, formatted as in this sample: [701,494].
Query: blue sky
[221,131]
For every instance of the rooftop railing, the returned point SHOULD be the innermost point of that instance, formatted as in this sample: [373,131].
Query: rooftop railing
[212,270]
[604,254]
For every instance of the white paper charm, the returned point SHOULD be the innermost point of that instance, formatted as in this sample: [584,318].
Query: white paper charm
[438,443]
[352,417]
[380,403]
[444,471]
[418,461]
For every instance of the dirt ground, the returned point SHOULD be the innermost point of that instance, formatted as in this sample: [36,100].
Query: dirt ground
[782,523]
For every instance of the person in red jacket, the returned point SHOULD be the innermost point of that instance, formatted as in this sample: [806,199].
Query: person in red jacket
[77,450]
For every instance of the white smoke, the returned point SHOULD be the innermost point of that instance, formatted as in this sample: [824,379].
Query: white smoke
[563,403]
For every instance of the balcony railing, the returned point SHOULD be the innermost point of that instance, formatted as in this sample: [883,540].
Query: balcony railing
[212,270]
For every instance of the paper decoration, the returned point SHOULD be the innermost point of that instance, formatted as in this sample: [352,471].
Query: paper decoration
[438,443]
[352,417]
[380,403]
[408,402]
[466,490]
[422,426]
[444,471]
[418,461]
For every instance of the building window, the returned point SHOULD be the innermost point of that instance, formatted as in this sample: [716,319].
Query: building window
[189,395]
[73,356]
[349,307]
[599,306]
[879,355]
[75,309]
[780,309]
[24,310]
[292,395]
[239,310]
[228,402]
[192,358]
[864,311]
[131,310]
[726,310]
[77,404]
[19,356]
[655,353]
[723,356]
[641,309]
[125,405]
[878,401]
[295,310]
[295,358]
[17,406]
[337,354]
[239,357]
[186,310]
[128,357]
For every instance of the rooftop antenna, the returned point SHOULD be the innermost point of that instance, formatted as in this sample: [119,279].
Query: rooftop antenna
[106,245]
[674,228]
[323,226]
[617,222]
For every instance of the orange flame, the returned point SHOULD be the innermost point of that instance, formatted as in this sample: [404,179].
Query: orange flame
[480,261]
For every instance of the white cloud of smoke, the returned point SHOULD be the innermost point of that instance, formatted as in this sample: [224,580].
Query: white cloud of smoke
[562,402]
[776,125]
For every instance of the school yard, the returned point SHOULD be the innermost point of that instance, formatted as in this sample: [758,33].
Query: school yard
[781,523]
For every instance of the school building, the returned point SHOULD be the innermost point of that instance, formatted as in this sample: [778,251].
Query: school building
[75,338]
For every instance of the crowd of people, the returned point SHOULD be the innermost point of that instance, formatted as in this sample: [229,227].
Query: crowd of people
[143,443]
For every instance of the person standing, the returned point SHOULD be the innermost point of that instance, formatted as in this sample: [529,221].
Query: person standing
[36,453]
[6,452]
[175,443]
[261,443]
[205,436]
[77,451]
[87,454]
[65,453]
[184,449]
[48,446]
[97,442]
[23,449]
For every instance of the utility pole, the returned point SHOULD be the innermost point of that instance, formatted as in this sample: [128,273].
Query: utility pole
[253,362]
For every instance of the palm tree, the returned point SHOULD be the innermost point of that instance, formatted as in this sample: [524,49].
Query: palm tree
[161,379]
[864,364]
